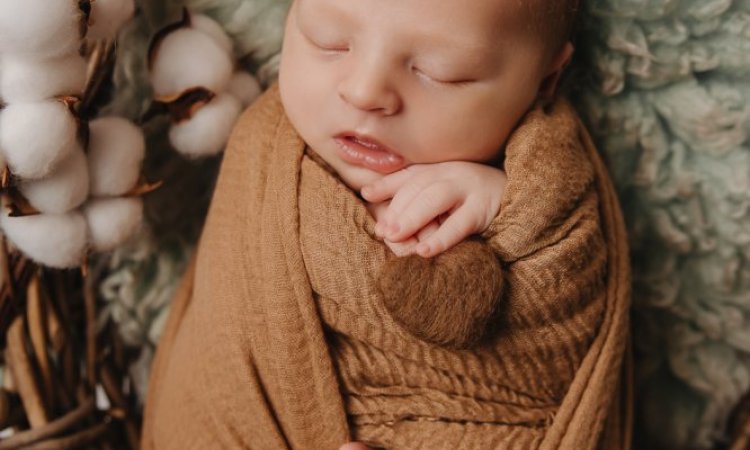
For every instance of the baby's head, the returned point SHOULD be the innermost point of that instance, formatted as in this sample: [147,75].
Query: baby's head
[373,86]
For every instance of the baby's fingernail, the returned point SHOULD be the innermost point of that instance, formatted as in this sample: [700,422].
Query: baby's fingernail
[423,250]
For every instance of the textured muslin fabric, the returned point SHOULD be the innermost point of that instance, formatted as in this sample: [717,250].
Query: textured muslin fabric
[278,338]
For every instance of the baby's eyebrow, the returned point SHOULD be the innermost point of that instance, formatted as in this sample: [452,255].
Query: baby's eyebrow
[326,11]
[457,45]
[468,56]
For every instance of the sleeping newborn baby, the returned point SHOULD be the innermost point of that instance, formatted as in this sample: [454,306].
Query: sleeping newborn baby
[412,244]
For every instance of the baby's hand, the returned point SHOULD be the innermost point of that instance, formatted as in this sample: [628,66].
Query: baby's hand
[435,206]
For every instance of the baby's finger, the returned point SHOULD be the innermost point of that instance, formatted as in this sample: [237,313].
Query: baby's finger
[427,231]
[390,221]
[457,227]
[384,188]
[404,248]
[427,206]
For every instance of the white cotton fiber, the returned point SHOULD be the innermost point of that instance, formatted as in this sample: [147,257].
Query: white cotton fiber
[34,137]
[244,87]
[112,220]
[107,17]
[64,189]
[115,153]
[55,240]
[25,79]
[188,58]
[212,28]
[39,27]
[206,133]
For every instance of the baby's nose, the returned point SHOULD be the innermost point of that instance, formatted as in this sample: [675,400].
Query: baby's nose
[370,90]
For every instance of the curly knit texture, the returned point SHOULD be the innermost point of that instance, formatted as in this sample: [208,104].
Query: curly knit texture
[669,107]
[140,283]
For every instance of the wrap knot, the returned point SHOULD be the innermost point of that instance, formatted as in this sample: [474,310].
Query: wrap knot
[449,300]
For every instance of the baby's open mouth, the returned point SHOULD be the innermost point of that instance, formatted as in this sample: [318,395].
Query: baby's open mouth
[364,151]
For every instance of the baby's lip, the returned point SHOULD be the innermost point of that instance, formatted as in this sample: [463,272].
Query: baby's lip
[365,151]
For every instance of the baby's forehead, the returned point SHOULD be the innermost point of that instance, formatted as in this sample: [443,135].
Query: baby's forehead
[477,32]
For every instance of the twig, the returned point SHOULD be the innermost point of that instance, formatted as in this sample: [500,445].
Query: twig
[21,367]
[90,304]
[73,441]
[52,429]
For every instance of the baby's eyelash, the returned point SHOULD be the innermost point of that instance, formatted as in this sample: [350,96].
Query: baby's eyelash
[333,49]
[422,74]
[327,48]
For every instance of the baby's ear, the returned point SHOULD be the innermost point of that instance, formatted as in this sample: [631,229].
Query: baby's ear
[548,87]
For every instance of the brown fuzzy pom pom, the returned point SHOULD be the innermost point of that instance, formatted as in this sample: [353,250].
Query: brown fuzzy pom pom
[449,300]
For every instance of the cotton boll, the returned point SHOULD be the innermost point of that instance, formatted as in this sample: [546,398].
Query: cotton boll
[40,27]
[108,16]
[115,153]
[112,221]
[36,136]
[27,79]
[188,58]
[206,133]
[66,188]
[55,240]
[212,28]
[244,87]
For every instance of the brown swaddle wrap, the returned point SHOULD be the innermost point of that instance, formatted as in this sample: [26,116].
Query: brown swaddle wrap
[278,337]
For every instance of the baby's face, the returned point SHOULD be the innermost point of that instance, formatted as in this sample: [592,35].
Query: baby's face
[373,86]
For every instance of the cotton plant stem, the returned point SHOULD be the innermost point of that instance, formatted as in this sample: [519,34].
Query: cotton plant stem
[743,441]
[740,428]
[90,305]
[51,429]
[17,359]
[36,312]
[5,409]
[7,279]
[100,62]
[74,441]
[111,387]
